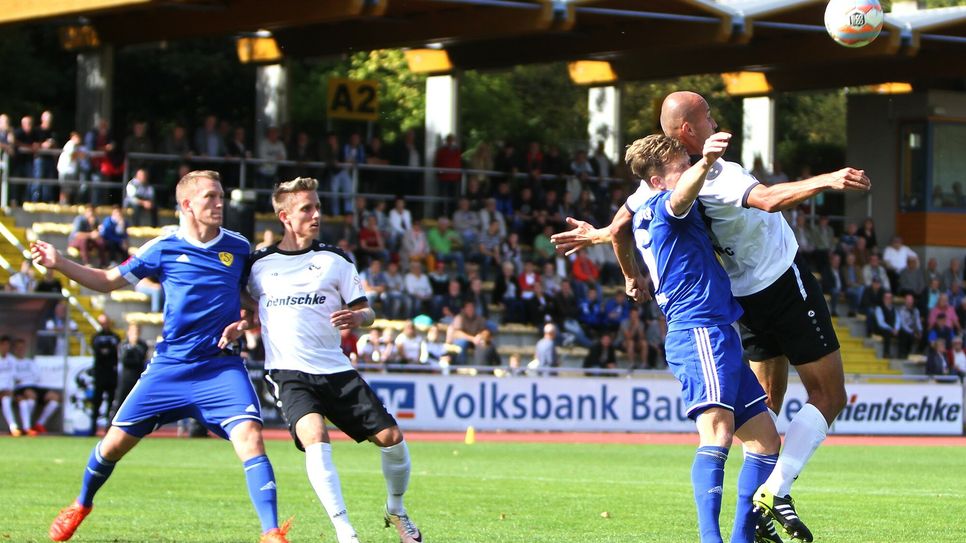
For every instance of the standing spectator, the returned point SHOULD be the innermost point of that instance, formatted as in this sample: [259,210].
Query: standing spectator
[100,139]
[237,146]
[353,154]
[910,326]
[104,344]
[449,156]
[823,238]
[138,142]
[6,135]
[601,164]
[209,142]
[139,197]
[407,153]
[24,144]
[868,232]
[418,287]
[69,166]
[874,270]
[53,342]
[478,182]
[376,180]
[507,162]
[602,354]
[44,166]
[832,284]
[895,258]
[303,150]
[272,151]
[466,331]
[545,353]
[887,323]
[84,236]
[133,355]
[114,233]
[25,280]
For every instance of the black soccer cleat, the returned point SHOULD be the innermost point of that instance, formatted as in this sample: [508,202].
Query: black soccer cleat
[782,509]
[765,531]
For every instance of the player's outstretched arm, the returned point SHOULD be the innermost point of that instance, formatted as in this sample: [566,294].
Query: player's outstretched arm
[691,181]
[583,235]
[788,195]
[48,256]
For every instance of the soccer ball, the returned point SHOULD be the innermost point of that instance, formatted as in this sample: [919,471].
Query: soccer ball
[853,23]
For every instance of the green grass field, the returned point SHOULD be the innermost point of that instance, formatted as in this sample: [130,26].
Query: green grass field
[171,490]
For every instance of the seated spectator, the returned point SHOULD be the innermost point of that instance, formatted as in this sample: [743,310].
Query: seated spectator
[400,303]
[887,323]
[348,231]
[867,232]
[409,344]
[467,223]
[606,261]
[400,221]
[371,244]
[956,295]
[418,288]
[485,353]
[84,236]
[567,315]
[961,310]
[871,299]
[550,279]
[614,311]
[602,354]
[545,352]
[656,332]
[506,291]
[932,272]
[433,352]
[466,331]
[139,197]
[953,275]
[937,361]
[447,306]
[847,241]
[26,377]
[823,238]
[374,285]
[634,336]
[415,247]
[348,342]
[852,283]
[49,283]
[895,257]
[803,234]
[445,244]
[911,279]
[538,307]
[910,326]
[543,249]
[114,233]
[940,329]
[585,273]
[511,251]
[489,248]
[875,269]
[527,280]
[591,315]
[942,307]
[25,280]
[439,279]
[151,287]
[490,214]
[957,358]
[832,284]
[369,348]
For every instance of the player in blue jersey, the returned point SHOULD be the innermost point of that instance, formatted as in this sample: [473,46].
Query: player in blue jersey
[703,346]
[201,268]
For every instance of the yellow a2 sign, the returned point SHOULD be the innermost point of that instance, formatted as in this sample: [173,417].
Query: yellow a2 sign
[353,99]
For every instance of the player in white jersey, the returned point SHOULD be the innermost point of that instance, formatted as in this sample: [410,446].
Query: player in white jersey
[785,316]
[6,387]
[301,287]
[26,376]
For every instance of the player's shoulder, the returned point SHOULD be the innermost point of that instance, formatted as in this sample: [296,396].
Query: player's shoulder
[318,246]
[168,235]
[233,238]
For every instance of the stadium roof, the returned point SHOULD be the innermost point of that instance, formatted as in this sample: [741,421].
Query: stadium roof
[656,39]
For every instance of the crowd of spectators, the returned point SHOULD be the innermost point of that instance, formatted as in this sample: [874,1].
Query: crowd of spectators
[913,309]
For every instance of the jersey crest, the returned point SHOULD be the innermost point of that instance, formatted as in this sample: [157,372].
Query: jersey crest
[226,258]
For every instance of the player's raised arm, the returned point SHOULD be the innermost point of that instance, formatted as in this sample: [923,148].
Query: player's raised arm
[788,195]
[48,256]
[691,181]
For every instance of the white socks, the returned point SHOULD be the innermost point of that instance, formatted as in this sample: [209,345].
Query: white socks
[805,433]
[325,481]
[6,403]
[26,412]
[395,468]
[47,412]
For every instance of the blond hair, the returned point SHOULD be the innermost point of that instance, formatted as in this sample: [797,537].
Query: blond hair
[282,190]
[191,179]
[648,155]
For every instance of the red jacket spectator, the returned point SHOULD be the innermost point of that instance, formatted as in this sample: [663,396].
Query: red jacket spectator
[585,270]
[449,156]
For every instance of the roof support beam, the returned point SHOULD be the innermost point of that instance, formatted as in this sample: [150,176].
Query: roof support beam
[31,10]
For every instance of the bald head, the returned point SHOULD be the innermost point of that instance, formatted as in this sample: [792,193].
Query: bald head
[685,116]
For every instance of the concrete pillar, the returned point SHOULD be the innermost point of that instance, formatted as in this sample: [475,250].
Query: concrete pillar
[604,124]
[95,84]
[758,132]
[271,99]
[442,119]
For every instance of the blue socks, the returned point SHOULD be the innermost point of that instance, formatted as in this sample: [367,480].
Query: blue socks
[754,472]
[261,488]
[707,477]
[95,475]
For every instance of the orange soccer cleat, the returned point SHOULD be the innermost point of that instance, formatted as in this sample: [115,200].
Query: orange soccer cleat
[277,535]
[15,432]
[39,428]
[67,521]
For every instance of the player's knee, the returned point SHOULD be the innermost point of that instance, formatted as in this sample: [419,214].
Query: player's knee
[388,437]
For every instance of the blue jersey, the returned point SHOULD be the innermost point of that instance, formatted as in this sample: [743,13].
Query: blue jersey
[693,289]
[201,283]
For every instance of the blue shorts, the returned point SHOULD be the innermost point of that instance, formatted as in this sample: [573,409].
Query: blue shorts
[708,362]
[216,392]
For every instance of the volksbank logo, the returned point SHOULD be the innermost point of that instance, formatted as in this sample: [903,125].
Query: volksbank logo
[306,299]
[398,397]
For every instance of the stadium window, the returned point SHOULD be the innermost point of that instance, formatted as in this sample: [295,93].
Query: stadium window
[948,162]
[912,167]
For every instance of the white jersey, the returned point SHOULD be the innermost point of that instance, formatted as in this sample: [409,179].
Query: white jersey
[756,247]
[6,372]
[297,292]
[26,372]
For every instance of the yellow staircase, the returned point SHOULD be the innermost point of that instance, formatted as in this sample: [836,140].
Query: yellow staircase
[13,247]
[857,357]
